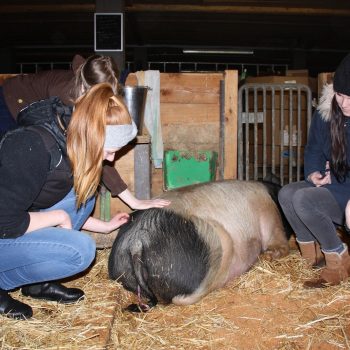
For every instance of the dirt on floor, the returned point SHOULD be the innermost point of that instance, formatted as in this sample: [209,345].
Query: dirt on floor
[266,308]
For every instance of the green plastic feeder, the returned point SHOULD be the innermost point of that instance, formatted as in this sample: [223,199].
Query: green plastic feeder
[184,168]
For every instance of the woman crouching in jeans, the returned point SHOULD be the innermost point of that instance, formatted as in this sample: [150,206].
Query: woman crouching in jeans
[45,199]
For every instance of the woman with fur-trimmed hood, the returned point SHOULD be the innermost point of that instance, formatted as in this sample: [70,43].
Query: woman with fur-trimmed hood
[315,207]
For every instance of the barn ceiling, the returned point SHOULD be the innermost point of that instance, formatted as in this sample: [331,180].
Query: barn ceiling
[303,34]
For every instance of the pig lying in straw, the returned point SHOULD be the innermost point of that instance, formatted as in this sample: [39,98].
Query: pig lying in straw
[210,234]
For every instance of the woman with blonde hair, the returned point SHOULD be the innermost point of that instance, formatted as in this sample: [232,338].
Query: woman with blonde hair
[47,189]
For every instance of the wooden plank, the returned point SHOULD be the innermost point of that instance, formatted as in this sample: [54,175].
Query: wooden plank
[157,182]
[131,80]
[311,10]
[144,138]
[192,137]
[188,113]
[188,95]
[199,80]
[142,171]
[230,112]
[186,87]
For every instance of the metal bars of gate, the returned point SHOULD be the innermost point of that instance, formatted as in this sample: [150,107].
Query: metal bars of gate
[273,121]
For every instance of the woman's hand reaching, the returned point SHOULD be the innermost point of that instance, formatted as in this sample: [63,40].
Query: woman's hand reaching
[134,203]
[117,221]
[100,226]
[150,203]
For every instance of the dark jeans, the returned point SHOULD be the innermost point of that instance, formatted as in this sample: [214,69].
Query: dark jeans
[6,120]
[313,213]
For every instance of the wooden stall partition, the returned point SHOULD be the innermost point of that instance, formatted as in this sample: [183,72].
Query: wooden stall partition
[190,114]
[230,117]
[190,117]
[190,120]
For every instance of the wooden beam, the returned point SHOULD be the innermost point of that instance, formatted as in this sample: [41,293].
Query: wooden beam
[32,8]
[230,133]
[276,10]
[320,10]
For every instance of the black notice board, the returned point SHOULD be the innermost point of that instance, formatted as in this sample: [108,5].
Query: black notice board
[108,32]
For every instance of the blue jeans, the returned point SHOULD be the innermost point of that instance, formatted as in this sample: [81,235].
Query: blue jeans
[50,253]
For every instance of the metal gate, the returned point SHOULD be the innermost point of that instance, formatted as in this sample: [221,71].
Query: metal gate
[273,121]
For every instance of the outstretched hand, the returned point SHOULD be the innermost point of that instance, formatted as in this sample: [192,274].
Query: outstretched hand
[135,203]
[151,203]
[100,226]
[118,220]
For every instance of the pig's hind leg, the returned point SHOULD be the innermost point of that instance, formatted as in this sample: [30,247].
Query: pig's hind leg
[274,239]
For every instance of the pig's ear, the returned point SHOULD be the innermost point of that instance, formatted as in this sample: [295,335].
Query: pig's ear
[77,62]
[139,267]
[141,275]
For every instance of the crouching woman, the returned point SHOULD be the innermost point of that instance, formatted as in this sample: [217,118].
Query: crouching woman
[47,193]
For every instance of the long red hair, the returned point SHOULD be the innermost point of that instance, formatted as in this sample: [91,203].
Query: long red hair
[86,136]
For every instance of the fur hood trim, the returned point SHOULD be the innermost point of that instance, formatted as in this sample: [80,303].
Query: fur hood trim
[324,106]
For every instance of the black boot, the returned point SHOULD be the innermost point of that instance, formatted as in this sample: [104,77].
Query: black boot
[13,308]
[54,292]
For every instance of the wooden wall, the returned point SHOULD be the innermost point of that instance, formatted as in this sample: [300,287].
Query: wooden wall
[190,113]
[189,109]
[190,119]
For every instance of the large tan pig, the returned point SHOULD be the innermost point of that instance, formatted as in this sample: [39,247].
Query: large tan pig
[210,234]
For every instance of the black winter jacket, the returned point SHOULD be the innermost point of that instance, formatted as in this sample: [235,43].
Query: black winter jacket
[24,169]
[34,176]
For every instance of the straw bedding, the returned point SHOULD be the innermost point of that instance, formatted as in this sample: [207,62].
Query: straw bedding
[267,308]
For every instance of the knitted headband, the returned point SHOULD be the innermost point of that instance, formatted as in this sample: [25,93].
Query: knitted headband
[341,82]
[117,136]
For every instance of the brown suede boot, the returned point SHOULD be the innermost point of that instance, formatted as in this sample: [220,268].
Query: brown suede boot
[311,252]
[337,270]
